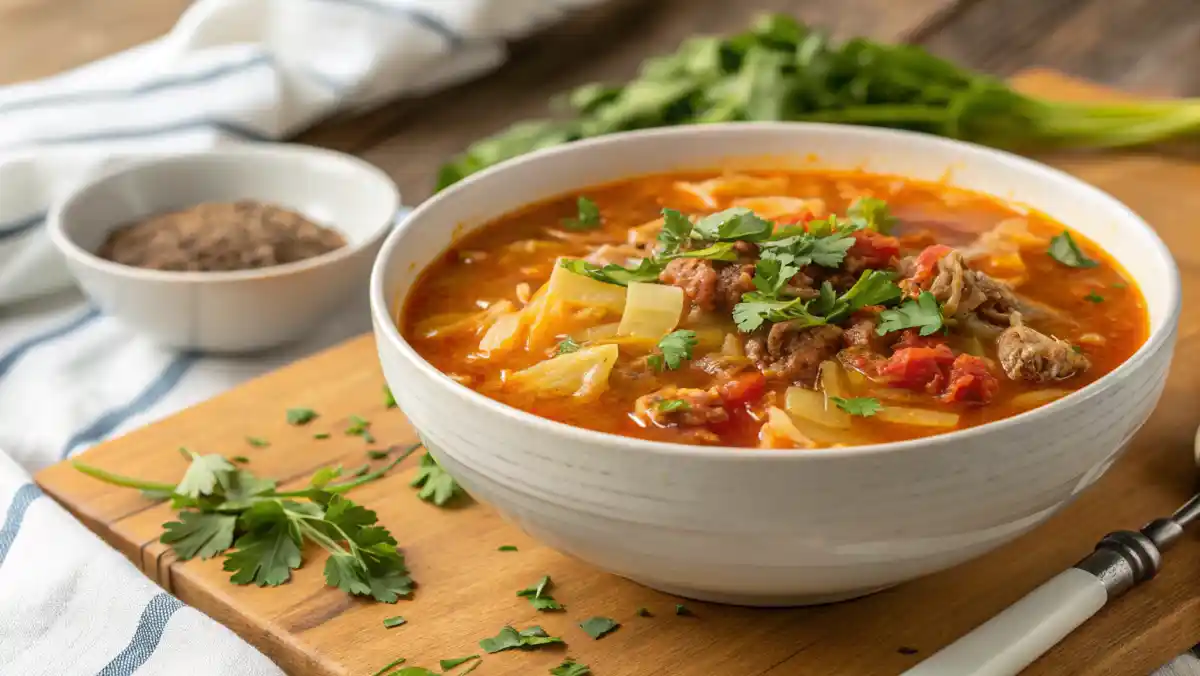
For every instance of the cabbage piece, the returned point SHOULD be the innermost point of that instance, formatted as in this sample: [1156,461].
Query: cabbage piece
[566,287]
[651,310]
[582,374]
[1028,400]
[816,407]
[459,323]
[774,207]
[780,427]
[503,335]
[921,417]
[732,185]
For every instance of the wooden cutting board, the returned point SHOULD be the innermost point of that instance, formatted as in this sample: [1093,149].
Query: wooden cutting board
[467,587]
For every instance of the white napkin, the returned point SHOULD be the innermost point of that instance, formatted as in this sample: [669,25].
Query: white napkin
[231,71]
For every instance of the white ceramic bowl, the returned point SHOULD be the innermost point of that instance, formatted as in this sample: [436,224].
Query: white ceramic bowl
[229,311]
[768,527]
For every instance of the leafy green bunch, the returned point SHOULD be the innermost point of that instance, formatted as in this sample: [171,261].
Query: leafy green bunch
[226,510]
[781,69]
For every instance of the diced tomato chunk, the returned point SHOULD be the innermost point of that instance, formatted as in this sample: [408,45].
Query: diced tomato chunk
[971,381]
[744,389]
[918,368]
[874,249]
[927,263]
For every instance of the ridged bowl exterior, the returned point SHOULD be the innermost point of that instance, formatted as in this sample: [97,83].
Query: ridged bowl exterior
[775,527]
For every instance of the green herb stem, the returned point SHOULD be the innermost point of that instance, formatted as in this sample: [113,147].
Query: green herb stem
[119,480]
[353,483]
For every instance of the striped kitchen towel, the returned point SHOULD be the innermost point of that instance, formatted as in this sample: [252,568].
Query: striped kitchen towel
[230,71]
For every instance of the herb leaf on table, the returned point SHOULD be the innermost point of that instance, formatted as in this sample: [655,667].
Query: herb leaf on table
[436,484]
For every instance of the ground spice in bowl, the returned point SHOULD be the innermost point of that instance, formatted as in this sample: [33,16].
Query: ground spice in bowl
[220,237]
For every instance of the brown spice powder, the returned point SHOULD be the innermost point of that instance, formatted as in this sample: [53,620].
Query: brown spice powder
[220,237]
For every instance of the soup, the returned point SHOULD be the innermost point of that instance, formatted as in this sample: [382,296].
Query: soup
[774,310]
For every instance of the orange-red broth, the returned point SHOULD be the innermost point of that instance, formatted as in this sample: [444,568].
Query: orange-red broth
[489,265]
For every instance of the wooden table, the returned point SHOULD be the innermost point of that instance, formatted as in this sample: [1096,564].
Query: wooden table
[1140,45]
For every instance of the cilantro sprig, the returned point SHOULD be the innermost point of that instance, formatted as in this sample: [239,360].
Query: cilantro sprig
[1064,250]
[570,667]
[673,348]
[436,484]
[510,638]
[539,595]
[860,406]
[647,270]
[261,531]
[586,218]
[923,313]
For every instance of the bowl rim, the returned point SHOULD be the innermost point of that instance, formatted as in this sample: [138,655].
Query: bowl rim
[216,156]
[386,328]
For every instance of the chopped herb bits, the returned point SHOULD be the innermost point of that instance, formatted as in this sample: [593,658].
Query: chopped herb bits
[681,609]
[394,621]
[570,667]
[510,638]
[506,548]
[539,595]
[258,442]
[598,627]
[1064,250]
[449,664]
[300,416]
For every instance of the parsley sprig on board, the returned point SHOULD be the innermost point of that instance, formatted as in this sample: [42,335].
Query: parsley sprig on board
[781,69]
[261,531]
[436,484]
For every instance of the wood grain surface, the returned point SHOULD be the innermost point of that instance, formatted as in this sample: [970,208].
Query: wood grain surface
[467,587]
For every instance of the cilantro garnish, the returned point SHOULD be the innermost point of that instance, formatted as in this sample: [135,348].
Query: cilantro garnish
[449,664]
[258,442]
[377,455]
[646,271]
[861,406]
[587,218]
[755,309]
[872,214]
[436,484]
[597,627]
[1094,297]
[261,531]
[321,435]
[1064,250]
[389,401]
[675,233]
[570,667]
[506,548]
[923,312]
[874,287]
[800,247]
[360,427]
[668,405]
[240,459]
[394,621]
[673,349]
[721,251]
[734,224]
[510,638]
[300,416]
[567,346]
[539,596]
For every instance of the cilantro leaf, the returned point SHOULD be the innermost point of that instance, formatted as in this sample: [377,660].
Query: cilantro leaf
[436,484]
[673,349]
[771,276]
[258,442]
[449,664]
[1064,250]
[721,251]
[389,401]
[597,627]
[874,287]
[669,405]
[646,271]
[506,548]
[199,534]
[756,309]
[269,550]
[872,214]
[394,621]
[1094,297]
[240,459]
[923,312]
[300,416]
[734,224]
[676,231]
[587,218]
[570,667]
[509,638]
[567,346]
[370,565]
[539,597]
[203,475]
[321,435]
[861,406]
[360,427]
[805,248]
[387,668]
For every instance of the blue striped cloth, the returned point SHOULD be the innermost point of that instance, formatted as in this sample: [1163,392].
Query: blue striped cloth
[231,71]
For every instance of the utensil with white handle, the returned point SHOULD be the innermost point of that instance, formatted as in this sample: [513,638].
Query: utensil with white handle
[1009,642]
